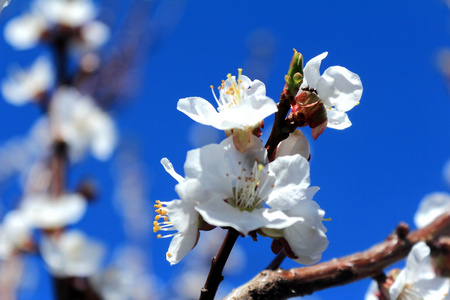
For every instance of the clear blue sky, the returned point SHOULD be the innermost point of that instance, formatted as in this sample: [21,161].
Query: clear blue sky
[372,175]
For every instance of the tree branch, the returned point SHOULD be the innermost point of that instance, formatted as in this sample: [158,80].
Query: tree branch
[282,284]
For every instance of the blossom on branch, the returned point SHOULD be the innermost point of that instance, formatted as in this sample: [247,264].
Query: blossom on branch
[26,85]
[333,93]
[418,280]
[242,106]
[71,254]
[78,121]
[431,207]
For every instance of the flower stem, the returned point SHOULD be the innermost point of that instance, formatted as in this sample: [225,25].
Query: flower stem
[280,129]
[276,262]
[215,276]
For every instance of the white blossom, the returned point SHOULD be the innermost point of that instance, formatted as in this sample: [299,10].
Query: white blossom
[431,207]
[179,216]
[15,233]
[242,104]
[73,13]
[26,31]
[307,238]
[233,189]
[418,280]
[25,85]
[339,89]
[48,212]
[71,254]
[81,124]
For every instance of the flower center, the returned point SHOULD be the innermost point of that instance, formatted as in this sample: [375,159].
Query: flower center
[246,188]
[231,92]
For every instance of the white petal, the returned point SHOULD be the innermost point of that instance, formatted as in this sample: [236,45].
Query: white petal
[44,211]
[340,88]
[292,180]
[371,291]
[25,31]
[337,120]
[432,206]
[171,170]
[182,215]
[72,254]
[311,71]
[218,213]
[201,111]
[296,143]
[181,244]
[307,238]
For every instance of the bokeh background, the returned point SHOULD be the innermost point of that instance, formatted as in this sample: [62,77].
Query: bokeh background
[372,175]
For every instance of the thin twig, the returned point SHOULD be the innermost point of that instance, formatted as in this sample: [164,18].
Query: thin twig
[282,284]
[215,276]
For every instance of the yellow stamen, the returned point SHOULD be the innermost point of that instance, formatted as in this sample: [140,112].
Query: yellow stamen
[328,219]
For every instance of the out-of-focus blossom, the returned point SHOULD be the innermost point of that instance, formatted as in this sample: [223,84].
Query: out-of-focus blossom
[72,13]
[81,124]
[15,233]
[431,207]
[26,31]
[25,85]
[418,280]
[296,143]
[4,3]
[48,212]
[338,88]
[446,172]
[71,254]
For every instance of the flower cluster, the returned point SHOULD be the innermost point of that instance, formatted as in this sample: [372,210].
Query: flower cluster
[236,185]
[71,125]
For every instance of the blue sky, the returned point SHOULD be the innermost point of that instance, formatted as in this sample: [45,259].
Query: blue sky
[372,175]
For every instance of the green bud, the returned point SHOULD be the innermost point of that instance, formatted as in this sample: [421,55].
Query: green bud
[294,77]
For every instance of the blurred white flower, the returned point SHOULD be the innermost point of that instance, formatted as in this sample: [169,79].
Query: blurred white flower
[243,104]
[81,124]
[25,31]
[15,233]
[72,13]
[418,280]
[24,85]
[339,89]
[48,212]
[71,254]
[431,207]
[296,143]
[4,3]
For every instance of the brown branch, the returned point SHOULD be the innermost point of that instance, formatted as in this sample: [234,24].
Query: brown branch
[215,276]
[282,284]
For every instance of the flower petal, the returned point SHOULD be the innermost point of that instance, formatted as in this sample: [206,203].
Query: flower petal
[219,213]
[181,244]
[431,207]
[291,181]
[337,119]
[311,71]
[340,88]
[201,111]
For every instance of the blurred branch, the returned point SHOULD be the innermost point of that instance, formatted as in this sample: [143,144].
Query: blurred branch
[282,284]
